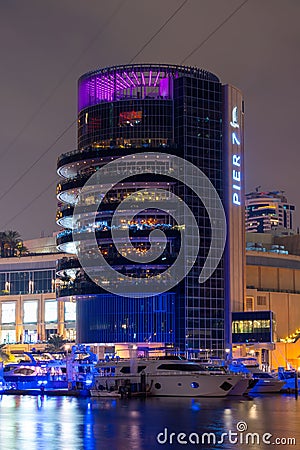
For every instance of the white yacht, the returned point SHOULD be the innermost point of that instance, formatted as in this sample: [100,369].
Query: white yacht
[162,377]
[267,383]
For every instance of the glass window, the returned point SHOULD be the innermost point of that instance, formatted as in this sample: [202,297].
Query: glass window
[43,281]
[9,312]
[50,311]
[261,300]
[30,336]
[70,311]
[19,283]
[249,303]
[2,281]
[8,336]
[30,309]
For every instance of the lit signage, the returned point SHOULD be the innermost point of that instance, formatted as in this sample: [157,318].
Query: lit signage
[236,178]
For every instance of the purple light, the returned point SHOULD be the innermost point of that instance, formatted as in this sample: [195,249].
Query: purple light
[108,83]
[126,75]
[122,81]
[134,74]
[164,87]
[112,84]
[156,79]
[117,85]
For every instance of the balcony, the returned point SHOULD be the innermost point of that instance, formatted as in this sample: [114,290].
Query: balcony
[67,263]
[104,232]
[103,152]
[86,287]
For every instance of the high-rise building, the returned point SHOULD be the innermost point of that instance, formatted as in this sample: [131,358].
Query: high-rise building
[268,211]
[143,117]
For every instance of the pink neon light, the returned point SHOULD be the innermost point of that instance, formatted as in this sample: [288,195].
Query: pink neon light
[126,75]
[102,86]
[164,87]
[108,83]
[156,79]
[126,85]
[117,84]
[119,81]
[134,74]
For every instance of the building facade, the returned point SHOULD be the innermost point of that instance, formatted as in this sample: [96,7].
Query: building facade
[268,211]
[269,326]
[153,112]
[29,310]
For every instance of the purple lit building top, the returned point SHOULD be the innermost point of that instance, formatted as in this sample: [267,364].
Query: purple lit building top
[136,81]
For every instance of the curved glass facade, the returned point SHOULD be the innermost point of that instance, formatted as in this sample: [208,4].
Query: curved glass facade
[126,124]
[126,110]
[133,82]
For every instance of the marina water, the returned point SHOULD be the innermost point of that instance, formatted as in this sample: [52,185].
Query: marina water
[67,423]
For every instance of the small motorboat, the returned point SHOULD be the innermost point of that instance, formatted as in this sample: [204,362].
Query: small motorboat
[266,382]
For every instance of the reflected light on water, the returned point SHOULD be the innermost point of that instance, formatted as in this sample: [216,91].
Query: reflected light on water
[32,423]
[227,419]
[253,412]
[134,414]
[195,406]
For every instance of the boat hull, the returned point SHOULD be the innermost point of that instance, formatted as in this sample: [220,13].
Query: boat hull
[172,385]
[267,386]
[240,388]
[192,385]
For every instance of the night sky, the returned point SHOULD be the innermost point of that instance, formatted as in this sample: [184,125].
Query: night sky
[46,46]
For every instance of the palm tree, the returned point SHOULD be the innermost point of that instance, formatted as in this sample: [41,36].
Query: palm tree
[2,243]
[21,249]
[55,343]
[12,238]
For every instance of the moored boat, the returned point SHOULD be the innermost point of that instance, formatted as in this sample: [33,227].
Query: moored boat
[164,377]
[43,370]
[266,382]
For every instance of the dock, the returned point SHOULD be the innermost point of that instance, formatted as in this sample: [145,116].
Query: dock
[48,392]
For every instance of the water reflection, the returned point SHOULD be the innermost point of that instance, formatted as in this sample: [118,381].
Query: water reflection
[65,423]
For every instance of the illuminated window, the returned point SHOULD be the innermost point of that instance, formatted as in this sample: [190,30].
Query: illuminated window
[8,336]
[51,311]
[249,304]
[70,311]
[30,311]
[8,312]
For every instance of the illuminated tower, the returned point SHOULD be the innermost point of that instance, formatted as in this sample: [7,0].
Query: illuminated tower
[157,110]
[268,211]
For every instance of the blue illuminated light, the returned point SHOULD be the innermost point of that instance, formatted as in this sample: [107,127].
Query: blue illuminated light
[195,406]
[235,139]
[235,118]
[236,177]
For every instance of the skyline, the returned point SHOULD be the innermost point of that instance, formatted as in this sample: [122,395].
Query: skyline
[42,69]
